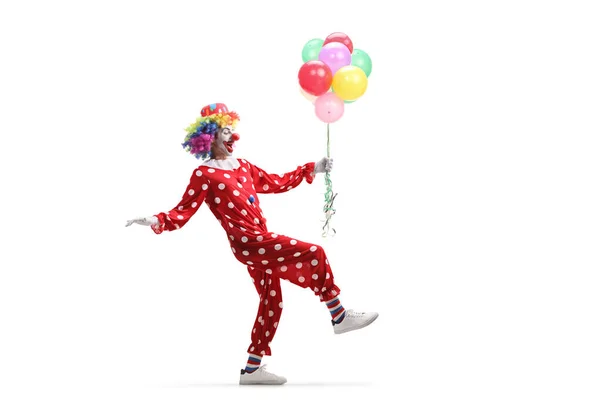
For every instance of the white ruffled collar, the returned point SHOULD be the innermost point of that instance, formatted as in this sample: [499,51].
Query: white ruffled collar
[229,164]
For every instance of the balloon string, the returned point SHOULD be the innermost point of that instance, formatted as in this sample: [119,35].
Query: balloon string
[329,197]
[328,147]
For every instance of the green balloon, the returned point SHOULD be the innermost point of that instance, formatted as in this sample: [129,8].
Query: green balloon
[362,60]
[311,50]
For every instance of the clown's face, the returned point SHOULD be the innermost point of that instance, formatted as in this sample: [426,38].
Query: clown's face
[225,142]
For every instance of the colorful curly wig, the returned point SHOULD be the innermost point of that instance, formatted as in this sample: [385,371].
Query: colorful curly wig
[201,133]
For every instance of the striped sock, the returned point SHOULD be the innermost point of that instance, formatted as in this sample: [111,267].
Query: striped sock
[253,362]
[337,311]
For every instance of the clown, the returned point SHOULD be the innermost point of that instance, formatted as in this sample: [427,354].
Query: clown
[230,187]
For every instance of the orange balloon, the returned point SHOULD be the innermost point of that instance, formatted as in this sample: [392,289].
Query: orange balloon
[350,82]
[308,96]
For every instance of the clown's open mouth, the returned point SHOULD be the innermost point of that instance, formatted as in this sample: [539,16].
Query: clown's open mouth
[229,145]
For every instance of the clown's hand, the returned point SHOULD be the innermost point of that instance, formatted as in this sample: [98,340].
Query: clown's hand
[324,165]
[147,221]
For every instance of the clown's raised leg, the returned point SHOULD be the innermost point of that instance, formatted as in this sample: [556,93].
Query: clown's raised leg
[305,265]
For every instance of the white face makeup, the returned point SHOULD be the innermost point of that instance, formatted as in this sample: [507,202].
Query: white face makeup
[226,140]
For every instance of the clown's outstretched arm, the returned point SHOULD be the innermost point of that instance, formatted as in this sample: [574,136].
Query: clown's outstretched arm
[265,182]
[194,196]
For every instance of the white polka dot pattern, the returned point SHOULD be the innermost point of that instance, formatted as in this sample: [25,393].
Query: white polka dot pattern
[234,195]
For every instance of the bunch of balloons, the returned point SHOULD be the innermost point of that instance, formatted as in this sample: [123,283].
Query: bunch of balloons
[334,73]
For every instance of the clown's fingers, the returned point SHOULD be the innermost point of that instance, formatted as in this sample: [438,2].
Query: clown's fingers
[146,221]
[134,221]
[329,165]
[321,165]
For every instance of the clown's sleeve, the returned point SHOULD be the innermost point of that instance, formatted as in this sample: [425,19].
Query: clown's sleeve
[265,182]
[194,195]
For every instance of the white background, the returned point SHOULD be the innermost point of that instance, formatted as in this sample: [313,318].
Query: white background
[467,215]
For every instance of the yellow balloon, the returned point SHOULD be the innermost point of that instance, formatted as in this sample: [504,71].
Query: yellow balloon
[349,82]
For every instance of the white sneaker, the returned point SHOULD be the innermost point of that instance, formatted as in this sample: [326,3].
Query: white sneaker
[261,377]
[354,320]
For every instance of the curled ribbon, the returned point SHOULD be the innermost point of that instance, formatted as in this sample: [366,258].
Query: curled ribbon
[329,198]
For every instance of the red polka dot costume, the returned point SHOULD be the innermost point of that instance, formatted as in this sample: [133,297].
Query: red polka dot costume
[232,196]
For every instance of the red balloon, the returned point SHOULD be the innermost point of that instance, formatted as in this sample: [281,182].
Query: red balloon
[315,77]
[340,38]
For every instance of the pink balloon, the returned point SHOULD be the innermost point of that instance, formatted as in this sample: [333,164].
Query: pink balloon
[335,55]
[329,108]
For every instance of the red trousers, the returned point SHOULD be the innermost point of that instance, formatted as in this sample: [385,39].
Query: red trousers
[281,257]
